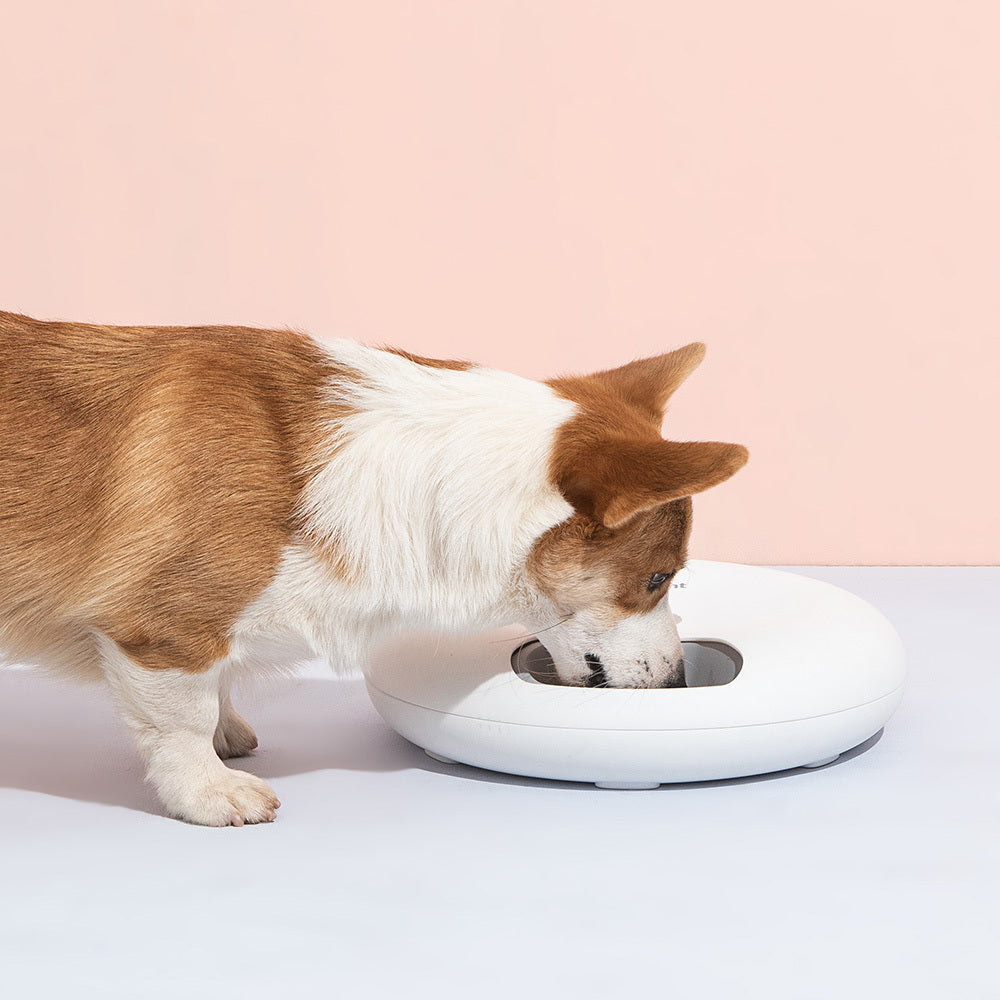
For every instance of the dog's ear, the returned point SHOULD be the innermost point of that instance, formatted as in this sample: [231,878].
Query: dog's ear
[650,382]
[616,480]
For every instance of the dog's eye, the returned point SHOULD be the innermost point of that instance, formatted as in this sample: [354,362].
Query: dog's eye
[657,580]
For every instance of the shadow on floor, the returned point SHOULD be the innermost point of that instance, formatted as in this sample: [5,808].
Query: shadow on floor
[64,739]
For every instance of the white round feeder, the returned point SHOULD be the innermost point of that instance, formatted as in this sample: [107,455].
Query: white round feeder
[781,670]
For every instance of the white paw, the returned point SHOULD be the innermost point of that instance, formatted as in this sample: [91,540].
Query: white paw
[231,799]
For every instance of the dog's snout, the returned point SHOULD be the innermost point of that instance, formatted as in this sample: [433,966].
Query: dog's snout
[596,678]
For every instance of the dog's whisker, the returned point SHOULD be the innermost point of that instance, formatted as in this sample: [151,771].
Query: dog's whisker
[562,621]
[537,632]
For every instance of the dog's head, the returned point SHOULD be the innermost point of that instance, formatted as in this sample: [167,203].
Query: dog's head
[604,573]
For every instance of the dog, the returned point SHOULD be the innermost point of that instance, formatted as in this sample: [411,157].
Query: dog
[183,505]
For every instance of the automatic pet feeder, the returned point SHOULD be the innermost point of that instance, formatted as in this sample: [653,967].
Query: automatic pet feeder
[782,671]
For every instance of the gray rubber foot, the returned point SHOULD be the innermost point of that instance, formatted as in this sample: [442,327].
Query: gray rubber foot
[633,786]
[437,756]
[823,762]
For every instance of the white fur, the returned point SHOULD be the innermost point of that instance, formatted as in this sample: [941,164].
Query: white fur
[433,491]
[641,650]
[174,716]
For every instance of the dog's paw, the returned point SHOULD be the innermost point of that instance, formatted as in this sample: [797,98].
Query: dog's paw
[233,736]
[231,799]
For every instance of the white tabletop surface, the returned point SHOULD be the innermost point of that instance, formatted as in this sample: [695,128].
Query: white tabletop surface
[387,874]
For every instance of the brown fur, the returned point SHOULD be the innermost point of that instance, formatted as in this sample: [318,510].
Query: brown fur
[647,384]
[630,489]
[610,461]
[147,482]
[580,563]
[418,359]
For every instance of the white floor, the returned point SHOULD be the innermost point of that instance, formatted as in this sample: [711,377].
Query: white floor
[389,875]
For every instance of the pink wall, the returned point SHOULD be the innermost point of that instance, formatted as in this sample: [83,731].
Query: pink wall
[812,189]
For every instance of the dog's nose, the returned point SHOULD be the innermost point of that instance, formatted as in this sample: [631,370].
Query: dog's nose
[596,678]
[676,678]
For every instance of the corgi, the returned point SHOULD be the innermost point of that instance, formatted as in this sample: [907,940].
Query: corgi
[183,505]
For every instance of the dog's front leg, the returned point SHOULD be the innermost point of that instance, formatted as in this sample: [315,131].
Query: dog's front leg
[174,715]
